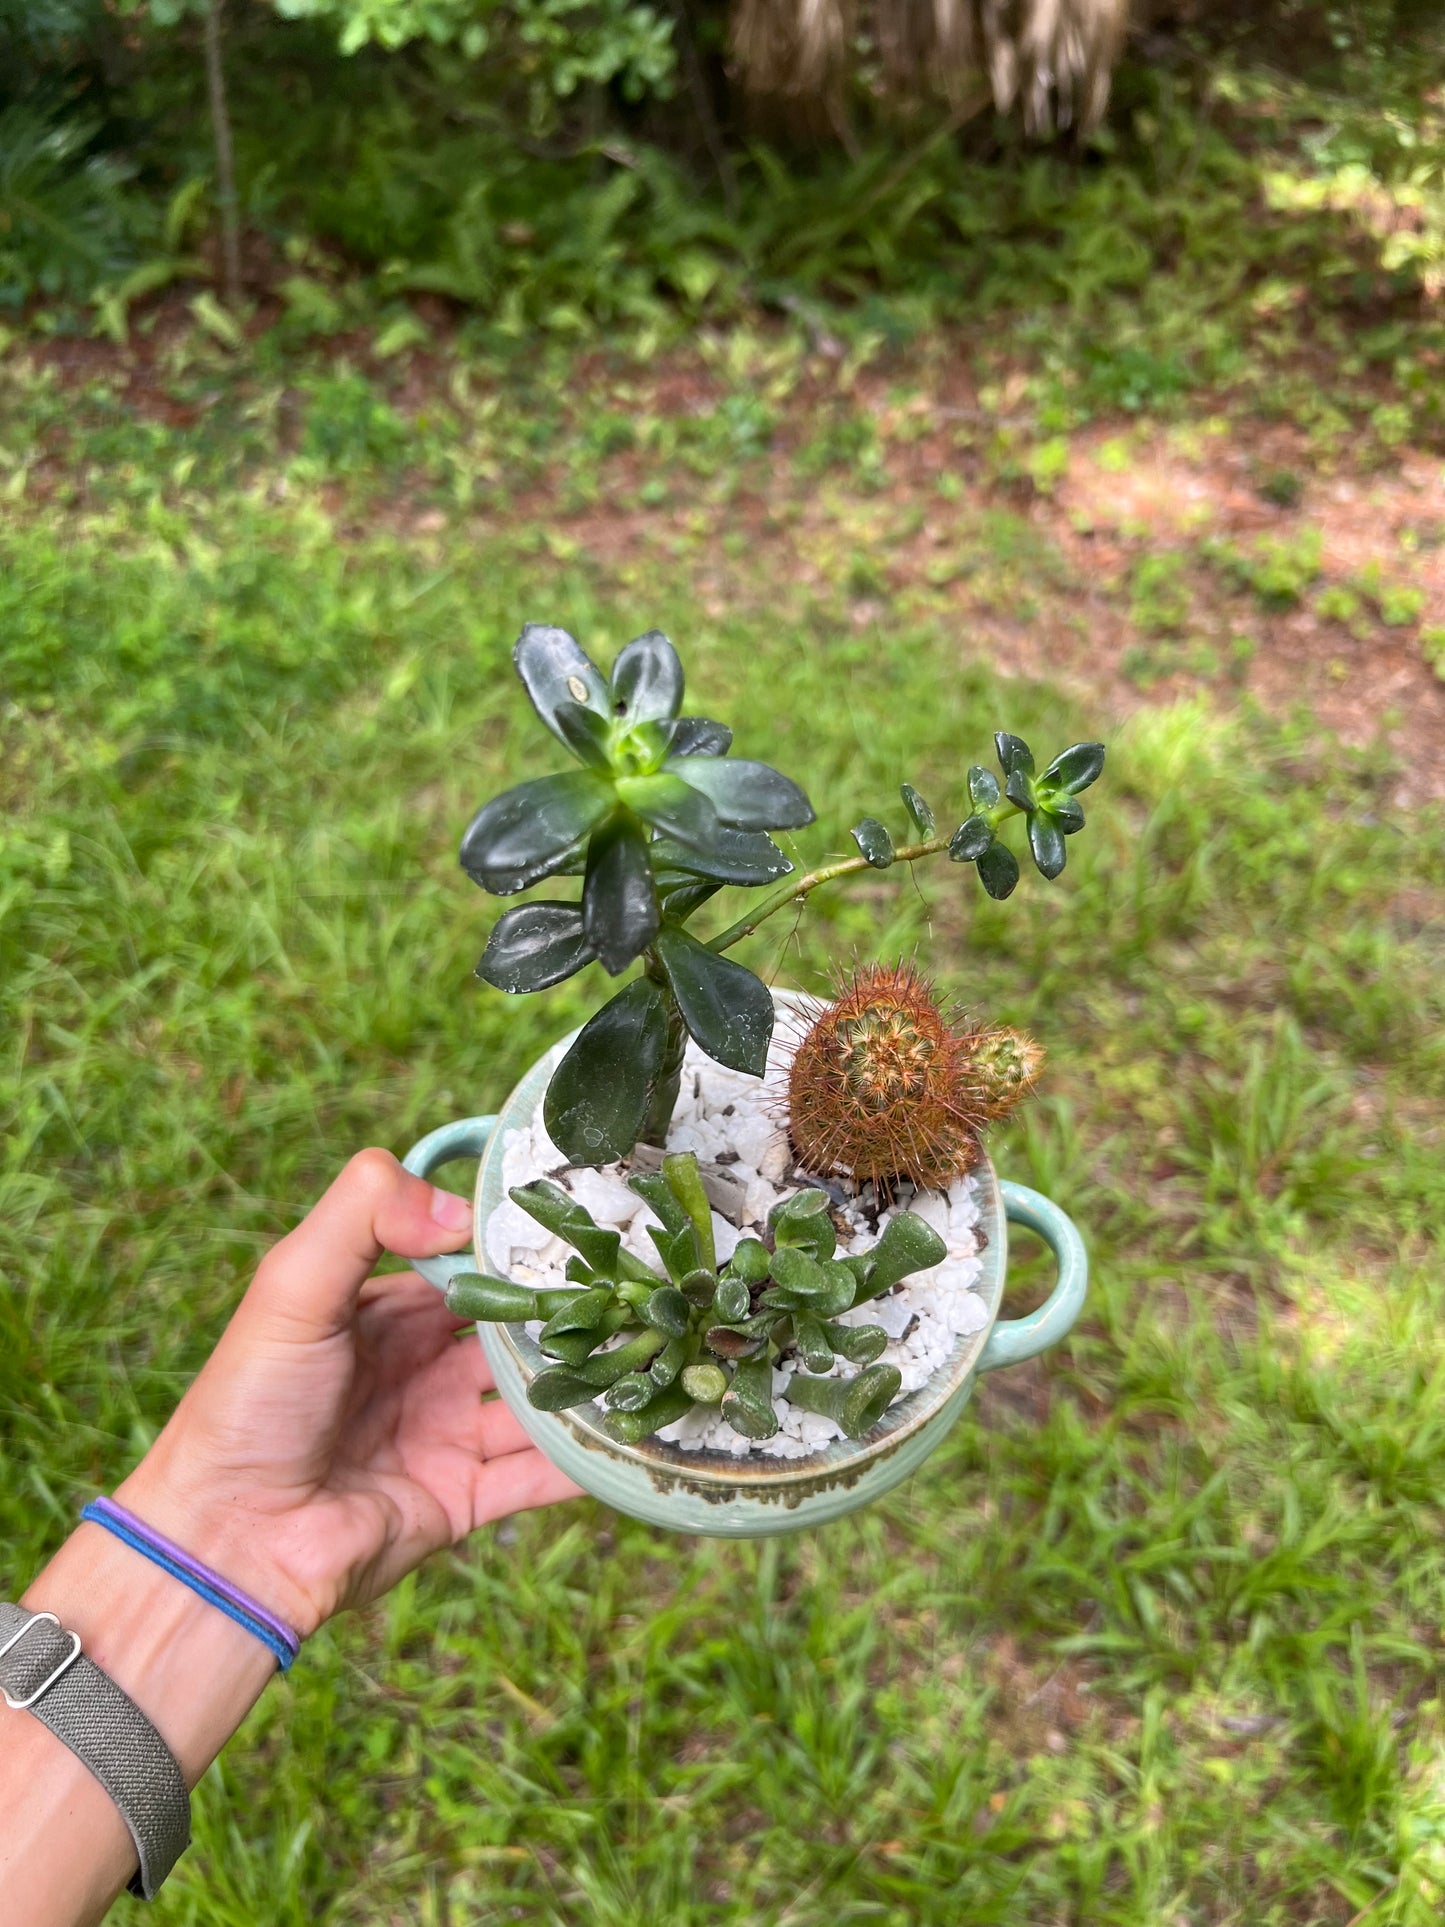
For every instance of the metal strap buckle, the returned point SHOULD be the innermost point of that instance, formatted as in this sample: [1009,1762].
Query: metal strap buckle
[19,1706]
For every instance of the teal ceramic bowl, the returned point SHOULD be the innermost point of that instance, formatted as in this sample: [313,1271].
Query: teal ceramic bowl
[710,1492]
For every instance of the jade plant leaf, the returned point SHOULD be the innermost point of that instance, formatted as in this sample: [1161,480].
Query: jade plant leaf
[597,1101]
[619,904]
[983,789]
[920,815]
[672,806]
[874,842]
[1013,753]
[529,832]
[728,856]
[1074,769]
[699,736]
[647,680]
[998,870]
[554,669]
[534,945]
[586,734]
[971,840]
[748,796]
[728,1011]
[1046,841]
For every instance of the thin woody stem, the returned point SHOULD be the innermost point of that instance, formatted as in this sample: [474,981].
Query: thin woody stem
[794,891]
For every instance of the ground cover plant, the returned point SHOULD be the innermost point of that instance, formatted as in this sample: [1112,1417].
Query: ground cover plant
[1156,1634]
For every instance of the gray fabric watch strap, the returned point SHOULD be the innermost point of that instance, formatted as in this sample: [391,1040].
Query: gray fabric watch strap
[45,1673]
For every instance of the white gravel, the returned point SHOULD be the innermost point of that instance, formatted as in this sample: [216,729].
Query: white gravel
[734,1121]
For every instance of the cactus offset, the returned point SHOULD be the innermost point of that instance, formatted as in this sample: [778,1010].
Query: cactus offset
[879,1086]
[1004,1067]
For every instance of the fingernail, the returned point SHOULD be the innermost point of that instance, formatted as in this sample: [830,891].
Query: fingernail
[451,1212]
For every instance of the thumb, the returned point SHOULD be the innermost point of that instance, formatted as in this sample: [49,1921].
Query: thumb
[313,1277]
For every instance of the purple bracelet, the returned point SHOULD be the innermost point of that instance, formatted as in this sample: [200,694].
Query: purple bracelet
[202,1579]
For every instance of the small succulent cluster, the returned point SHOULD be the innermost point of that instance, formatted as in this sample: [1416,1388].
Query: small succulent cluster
[884,1085]
[706,1334]
[654,821]
[1048,802]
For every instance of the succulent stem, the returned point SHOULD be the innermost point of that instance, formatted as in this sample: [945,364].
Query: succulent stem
[794,889]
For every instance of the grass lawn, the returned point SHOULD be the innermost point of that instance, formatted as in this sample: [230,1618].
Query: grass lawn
[1155,1640]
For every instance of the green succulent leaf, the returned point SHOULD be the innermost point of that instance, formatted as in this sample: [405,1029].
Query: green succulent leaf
[1067,812]
[496,1300]
[681,1176]
[907,1245]
[983,789]
[655,1191]
[971,840]
[803,1221]
[813,1343]
[705,1383]
[630,1428]
[585,733]
[631,1392]
[859,1344]
[558,1389]
[732,1301]
[634,1356]
[554,669]
[582,1313]
[666,1311]
[854,1404]
[1019,789]
[747,796]
[1074,769]
[680,900]
[750,1261]
[619,904]
[728,1011]
[998,870]
[672,806]
[728,856]
[534,945]
[1013,753]
[597,1102]
[532,831]
[558,1212]
[699,736]
[919,813]
[574,1349]
[874,842]
[1046,840]
[675,1354]
[747,1404]
[647,680]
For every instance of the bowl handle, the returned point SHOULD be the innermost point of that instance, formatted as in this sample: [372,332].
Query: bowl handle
[1015,1339]
[467,1139]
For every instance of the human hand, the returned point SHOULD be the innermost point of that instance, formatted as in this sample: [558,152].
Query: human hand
[341,1429]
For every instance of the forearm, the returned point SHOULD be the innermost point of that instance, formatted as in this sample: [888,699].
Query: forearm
[64,1849]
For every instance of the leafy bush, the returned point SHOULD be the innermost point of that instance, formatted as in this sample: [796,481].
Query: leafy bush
[68,217]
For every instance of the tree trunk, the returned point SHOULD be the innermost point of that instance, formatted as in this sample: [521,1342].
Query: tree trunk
[227,203]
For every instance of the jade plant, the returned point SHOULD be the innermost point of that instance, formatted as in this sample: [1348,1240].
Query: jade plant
[706,1334]
[655,818]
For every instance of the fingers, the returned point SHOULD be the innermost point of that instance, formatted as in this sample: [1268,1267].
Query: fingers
[313,1278]
[518,1482]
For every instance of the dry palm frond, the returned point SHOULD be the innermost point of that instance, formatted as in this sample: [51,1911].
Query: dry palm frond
[1051,58]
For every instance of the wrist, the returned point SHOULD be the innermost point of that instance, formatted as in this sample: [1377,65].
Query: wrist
[193,1672]
[235,1538]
